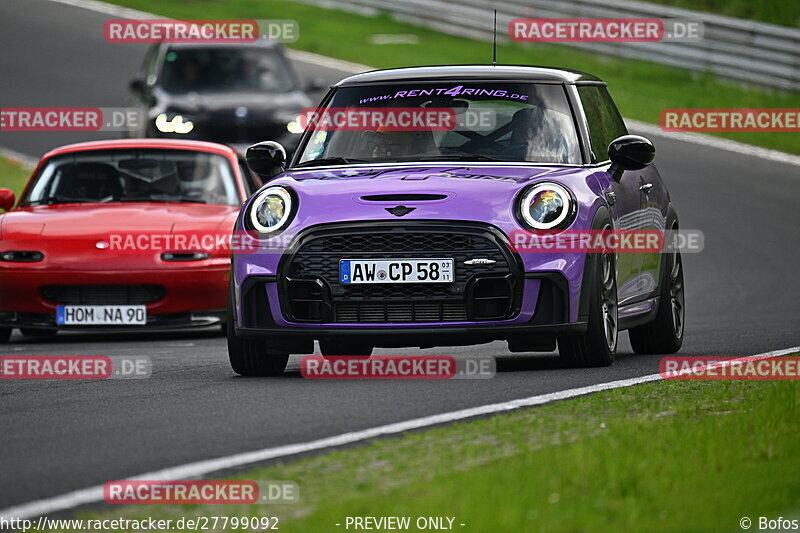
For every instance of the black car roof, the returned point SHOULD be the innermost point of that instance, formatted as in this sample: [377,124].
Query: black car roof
[473,72]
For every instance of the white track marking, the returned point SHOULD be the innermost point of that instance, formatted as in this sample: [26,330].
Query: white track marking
[714,142]
[109,9]
[18,157]
[328,62]
[202,468]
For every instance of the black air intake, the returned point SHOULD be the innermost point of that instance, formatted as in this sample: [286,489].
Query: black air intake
[403,197]
[103,294]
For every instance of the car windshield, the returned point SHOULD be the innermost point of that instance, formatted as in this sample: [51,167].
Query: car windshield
[134,175]
[226,69]
[491,121]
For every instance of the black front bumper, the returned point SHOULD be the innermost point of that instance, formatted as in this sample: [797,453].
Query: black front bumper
[486,295]
[549,321]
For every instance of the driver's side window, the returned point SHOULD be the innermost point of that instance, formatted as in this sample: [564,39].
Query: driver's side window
[604,121]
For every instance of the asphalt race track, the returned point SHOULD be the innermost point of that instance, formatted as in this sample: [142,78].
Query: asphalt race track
[57,436]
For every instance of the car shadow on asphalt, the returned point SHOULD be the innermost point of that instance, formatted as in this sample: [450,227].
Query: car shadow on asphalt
[539,361]
[113,337]
[527,362]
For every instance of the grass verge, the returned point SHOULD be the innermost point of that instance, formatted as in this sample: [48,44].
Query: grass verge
[665,456]
[13,176]
[641,89]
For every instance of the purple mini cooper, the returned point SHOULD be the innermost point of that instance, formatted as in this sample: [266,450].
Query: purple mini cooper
[379,236]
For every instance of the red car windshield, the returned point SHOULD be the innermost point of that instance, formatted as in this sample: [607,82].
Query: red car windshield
[134,175]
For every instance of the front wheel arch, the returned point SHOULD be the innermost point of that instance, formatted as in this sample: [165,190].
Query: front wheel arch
[592,348]
[601,216]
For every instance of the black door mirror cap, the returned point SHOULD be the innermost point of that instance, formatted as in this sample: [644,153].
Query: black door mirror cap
[629,152]
[267,158]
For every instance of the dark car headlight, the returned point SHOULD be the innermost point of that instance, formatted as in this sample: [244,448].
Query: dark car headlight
[271,210]
[294,121]
[547,205]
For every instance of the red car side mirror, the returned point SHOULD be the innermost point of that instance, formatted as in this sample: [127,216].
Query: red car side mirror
[7,199]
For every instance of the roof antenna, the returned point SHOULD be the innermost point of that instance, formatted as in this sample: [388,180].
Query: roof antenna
[494,40]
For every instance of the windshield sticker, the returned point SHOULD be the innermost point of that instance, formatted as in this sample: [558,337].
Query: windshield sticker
[458,90]
[409,174]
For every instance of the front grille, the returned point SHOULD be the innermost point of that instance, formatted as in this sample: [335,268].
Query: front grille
[404,292]
[400,241]
[103,294]
[317,254]
[400,312]
[223,126]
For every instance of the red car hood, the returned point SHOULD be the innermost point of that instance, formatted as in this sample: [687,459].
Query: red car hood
[68,235]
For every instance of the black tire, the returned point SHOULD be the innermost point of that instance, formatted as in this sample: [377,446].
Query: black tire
[350,350]
[5,335]
[252,357]
[598,345]
[34,332]
[664,335]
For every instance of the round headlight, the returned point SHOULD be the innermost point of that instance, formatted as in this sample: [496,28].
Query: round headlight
[547,206]
[271,209]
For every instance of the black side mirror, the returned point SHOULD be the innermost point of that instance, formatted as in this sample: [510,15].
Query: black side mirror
[629,152]
[267,159]
[315,84]
[137,85]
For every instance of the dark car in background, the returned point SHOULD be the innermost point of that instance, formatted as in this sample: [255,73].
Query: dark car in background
[234,94]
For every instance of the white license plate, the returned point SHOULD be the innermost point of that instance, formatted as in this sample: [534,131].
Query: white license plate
[101,315]
[356,271]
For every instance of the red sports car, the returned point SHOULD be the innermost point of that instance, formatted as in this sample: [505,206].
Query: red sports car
[106,236]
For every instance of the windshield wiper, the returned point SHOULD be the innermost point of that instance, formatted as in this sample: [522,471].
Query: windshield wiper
[459,157]
[329,161]
[59,200]
[190,201]
[176,200]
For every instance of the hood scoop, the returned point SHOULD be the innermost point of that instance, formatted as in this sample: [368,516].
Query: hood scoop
[404,197]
